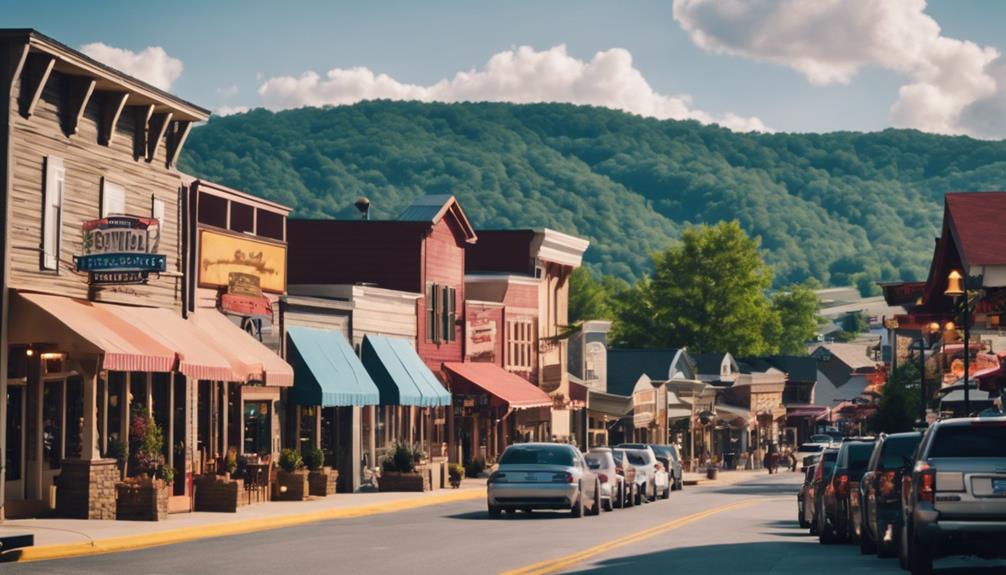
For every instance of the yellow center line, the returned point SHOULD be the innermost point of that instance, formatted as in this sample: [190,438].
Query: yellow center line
[564,562]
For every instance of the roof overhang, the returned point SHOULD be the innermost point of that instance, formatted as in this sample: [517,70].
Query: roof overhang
[556,247]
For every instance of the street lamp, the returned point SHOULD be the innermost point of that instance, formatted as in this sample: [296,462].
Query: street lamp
[924,335]
[957,289]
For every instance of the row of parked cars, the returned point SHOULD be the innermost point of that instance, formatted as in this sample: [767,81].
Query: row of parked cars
[557,476]
[918,496]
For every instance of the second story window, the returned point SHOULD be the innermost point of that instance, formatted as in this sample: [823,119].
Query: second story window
[520,342]
[113,198]
[441,313]
[52,217]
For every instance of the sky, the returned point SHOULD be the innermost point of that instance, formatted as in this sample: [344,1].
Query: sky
[767,65]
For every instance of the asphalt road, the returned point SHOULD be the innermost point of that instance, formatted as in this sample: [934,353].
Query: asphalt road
[744,528]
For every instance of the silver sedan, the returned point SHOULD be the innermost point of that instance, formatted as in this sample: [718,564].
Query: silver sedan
[543,476]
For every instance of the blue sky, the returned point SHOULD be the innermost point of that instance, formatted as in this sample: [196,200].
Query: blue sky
[230,49]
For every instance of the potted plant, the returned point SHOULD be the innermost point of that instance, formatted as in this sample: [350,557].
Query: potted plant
[144,496]
[230,462]
[220,492]
[474,468]
[457,473]
[117,451]
[292,478]
[398,471]
[321,478]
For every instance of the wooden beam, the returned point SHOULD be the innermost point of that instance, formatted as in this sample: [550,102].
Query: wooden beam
[35,74]
[159,124]
[112,105]
[77,92]
[141,116]
[176,140]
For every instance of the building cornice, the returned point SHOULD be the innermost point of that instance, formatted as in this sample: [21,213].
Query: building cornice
[556,247]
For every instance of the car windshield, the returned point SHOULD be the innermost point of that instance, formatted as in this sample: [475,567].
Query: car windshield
[811,448]
[859,455]
[974,440]
[537,454]
[661,451]
[897,451]
[596,461]
[827,463]
[617,456]
[638,457]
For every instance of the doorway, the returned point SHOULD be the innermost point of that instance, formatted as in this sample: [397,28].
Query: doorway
[14,462]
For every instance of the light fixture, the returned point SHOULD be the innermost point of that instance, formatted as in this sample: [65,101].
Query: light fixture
[49,355]
[29,352]
[934,327]
[949,327]
[955,286]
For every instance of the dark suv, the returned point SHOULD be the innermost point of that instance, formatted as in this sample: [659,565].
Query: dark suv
[955,503]
[822,479]
[880,492]
[850,464]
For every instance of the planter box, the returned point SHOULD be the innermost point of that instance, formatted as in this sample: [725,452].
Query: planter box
[141,500]
[322,482]
[394,481]
[291,486]
[217,493]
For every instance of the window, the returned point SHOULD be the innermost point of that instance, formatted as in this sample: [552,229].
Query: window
[52,216]
[269,224]
[519,341]
[113,198]
[448,313]
[431,312]
[242,218]
[212,210]
[52,423]
[157,210]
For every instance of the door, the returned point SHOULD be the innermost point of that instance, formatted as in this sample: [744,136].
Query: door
[52,426]
[14,449]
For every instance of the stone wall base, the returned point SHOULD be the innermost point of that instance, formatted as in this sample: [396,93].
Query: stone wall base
[86,489]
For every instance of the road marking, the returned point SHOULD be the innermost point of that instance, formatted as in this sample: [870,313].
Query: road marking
[562,563]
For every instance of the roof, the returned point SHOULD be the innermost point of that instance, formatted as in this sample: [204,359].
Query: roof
[708,363]
[626,365]
[797,368]
[432,208]
[73,61]
[519,250]
[851,354]
[975,220]
[506,389]
[327,371]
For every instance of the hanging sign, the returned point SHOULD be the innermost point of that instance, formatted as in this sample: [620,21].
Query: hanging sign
[118,250]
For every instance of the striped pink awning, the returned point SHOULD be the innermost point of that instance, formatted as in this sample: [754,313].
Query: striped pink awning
[249,359]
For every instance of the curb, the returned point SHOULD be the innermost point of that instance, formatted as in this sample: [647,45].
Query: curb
[136,542]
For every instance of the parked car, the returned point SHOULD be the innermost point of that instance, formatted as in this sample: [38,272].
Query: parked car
[956,498]
[543,476]
[823,473]
[651,477]
[601,462]
[808,453]
[628,473]
[805,499]
[853,458]
[880,492]
[668,455]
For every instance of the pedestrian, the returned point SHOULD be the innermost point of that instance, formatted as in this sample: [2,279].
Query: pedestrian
[772,459]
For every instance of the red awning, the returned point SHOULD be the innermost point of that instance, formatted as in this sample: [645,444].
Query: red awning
[806,411]
[505,388]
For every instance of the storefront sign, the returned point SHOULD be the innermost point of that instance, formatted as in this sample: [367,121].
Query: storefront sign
[223,255]
[481,335]
[118,250]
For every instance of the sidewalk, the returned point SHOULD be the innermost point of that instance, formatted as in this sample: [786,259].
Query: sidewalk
[58,538]
[724,477]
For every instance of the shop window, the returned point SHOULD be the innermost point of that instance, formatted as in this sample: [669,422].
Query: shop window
[52,216]
[15,433]
[116,390]
[257,427]
[74,418]
[52,423]
[212,210]
[178,439]
[519,344]
[305,434]
[269,224]
[242,218]
[113,198]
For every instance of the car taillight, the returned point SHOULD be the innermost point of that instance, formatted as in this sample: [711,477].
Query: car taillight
[497,477]
[885,483]
[841,483]
[603,478]
[927,481]
[562,478]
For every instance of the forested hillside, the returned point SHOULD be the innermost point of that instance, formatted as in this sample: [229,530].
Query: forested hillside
[839,207]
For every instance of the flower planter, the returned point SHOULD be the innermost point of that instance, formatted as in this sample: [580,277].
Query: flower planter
[218,493]
[711,472]
[291,485]
[395,481]
[322,481]
[141,500]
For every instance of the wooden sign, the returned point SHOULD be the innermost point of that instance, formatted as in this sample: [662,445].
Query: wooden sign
[221,255]
[119,250]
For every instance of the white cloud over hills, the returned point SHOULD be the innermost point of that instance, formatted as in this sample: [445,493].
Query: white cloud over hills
[952,86]
[521,75]
[152,64]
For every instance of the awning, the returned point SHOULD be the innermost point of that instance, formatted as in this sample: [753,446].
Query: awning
[957,396]
[249,359]
[578,393]
[608,403]
[504,387]
[328,373]
[728,412]
[674,413]
[122,345]
[401,376]
[806,411]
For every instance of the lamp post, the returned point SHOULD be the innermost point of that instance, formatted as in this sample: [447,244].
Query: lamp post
[924,335]
[957,288]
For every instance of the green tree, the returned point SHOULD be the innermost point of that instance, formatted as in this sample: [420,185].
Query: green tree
[797,309]
[588,298]
[708,293]
[899,404]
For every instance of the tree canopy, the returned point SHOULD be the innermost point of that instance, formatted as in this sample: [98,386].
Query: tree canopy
[899,405]
[845,208]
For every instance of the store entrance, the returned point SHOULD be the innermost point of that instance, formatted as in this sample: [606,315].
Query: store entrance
[14,448]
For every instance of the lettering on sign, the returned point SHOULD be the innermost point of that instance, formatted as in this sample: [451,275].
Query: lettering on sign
[119,250]
[221,256]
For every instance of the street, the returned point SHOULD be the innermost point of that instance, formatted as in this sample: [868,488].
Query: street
[747,527]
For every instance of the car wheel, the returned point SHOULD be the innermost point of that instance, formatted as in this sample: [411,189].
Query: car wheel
[494,511]
[920,559]
[595,509]
[577,510]
[800,516]
[652,492]
[866,544]
[620,496]
[902,539]
[825,533]
[681,484]
[667,492]
[637,497]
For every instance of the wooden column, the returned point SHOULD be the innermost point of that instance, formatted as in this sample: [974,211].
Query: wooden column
[372,436]
[356,442]
[224,397]
[452,451]
[89,439]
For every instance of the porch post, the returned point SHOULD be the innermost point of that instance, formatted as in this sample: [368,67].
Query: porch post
[224,399]
[355,441]
[89,449]
[372,436]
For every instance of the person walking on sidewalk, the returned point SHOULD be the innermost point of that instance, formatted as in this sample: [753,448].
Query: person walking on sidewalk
[772,458]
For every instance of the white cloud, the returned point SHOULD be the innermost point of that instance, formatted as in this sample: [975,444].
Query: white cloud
[227,91]
[953,85]
[521,75]
[152,64]
[231,110]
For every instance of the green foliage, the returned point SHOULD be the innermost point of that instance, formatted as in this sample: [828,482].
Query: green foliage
[588,298]
[401,458]
[314,458]
[474,468]
[116,450]
[146,444]
[290,460]
[855,322]
[899,403]
[456,471]
[797,309]
[166,473]
[846,208]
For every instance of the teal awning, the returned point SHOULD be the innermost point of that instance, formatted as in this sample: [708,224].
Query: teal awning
[326,371]
[400,374]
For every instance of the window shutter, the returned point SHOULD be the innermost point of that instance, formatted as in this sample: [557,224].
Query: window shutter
[431,313]
[113,198]
[450,314]
[55,179]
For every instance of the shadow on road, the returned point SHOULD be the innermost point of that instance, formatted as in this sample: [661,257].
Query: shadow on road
[759,489]
[520,515]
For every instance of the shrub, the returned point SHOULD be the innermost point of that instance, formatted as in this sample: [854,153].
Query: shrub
[290,461]
[116,450]
[314,458]
[231,460]
[167,473]
[456,471]
[474,468]
[401,458]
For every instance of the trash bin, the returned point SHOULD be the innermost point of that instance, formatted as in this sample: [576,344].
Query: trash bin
[730,460]
[711,472]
